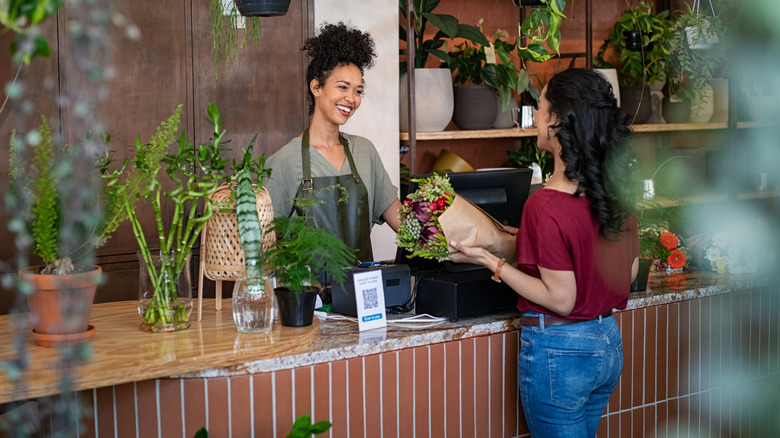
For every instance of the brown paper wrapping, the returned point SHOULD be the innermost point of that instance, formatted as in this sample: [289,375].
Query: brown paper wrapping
[470,225]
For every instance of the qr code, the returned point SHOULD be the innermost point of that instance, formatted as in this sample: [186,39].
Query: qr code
[370,299]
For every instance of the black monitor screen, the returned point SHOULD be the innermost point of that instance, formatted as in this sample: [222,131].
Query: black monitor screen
[500,192]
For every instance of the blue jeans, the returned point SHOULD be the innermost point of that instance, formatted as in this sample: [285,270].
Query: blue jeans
[566,375]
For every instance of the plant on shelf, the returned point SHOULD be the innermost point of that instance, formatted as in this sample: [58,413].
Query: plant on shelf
[448,29]
[646,65]
[528,155]
[694,58]
[471,66]
[194,173]
[303,253]
[225,22]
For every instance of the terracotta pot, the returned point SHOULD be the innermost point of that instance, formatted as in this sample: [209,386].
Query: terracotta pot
[296,309]
[61,304]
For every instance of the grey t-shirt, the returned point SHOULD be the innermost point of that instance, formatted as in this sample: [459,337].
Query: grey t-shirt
[286,174]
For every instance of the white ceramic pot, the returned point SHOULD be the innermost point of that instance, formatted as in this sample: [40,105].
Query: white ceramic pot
[433,97]
[706,109]
[504,118]
[720,88]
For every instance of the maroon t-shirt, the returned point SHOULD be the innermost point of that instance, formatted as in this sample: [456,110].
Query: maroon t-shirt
[557,232]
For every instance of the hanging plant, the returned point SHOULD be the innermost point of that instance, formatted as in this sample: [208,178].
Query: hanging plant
[23,17]
[224,32]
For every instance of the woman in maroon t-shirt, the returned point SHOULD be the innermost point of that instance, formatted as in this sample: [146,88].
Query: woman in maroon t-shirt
[577,255]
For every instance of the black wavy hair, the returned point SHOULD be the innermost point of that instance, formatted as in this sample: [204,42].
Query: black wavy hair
[593,133]
[334,45]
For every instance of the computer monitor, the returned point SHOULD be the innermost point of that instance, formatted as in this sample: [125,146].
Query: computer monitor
[500,192]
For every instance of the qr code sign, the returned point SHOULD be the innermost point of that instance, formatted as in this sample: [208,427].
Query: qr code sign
[370,299]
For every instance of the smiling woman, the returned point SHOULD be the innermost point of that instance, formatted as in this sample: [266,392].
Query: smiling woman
[323,156]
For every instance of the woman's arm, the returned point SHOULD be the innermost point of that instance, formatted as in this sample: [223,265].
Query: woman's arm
[391,216]
[555,290]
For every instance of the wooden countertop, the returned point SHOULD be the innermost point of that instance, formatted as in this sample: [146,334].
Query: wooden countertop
[121,352]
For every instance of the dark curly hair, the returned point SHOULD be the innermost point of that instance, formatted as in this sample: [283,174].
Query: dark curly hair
[335,45]
[593,133]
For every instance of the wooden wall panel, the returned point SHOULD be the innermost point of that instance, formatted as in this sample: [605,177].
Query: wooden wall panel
[172,63]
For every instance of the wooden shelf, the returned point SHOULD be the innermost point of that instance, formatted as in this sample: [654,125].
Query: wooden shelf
[712,198]
[479,133]
[532,132]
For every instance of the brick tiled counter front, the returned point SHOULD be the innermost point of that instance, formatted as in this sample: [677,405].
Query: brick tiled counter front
[699,351]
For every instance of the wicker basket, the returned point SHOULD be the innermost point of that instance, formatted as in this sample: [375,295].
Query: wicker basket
[221,255]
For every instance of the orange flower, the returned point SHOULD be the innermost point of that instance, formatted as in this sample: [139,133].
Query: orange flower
[676,259]
[669,240]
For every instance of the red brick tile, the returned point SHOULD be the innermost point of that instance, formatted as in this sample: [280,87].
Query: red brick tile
[638,357]
[685,347]
[263,403]
[468,387]
[673,416]
[390,415]
[662,419]
[437,402]
[302,388]
[650,357]
[637,422]
[613,426]
[451,388]
[355,396]
[218,413]
[339,397]
[625,424]
[511,394]
[125,410]
[322,393]
[626,377]
[662,356]
[696,334]
[674,366]
[194,405]
[650,421]
[372,381]
[283,401]
[105,411]
[146,398]
[240,407]
[496,385]
[406,387]
[482,386]
[421,391]
[170,407]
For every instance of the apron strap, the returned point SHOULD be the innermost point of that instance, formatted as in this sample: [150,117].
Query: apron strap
[306,182]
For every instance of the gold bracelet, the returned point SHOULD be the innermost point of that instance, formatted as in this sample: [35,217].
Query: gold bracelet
[495,276]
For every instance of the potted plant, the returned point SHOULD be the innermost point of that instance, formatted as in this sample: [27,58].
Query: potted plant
[301,254]
[477,78]
[225,23]
[61,291]
[637,69]
[194,172]
[433,86]
[694,59]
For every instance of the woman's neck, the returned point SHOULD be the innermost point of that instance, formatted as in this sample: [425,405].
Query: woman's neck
[322,133]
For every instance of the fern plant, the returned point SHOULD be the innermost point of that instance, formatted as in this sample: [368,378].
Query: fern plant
[303,250]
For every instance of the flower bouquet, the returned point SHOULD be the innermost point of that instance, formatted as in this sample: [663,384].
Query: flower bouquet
[434,214]
[663,248]
[740,249]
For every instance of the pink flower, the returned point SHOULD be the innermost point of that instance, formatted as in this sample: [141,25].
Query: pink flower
[429,232]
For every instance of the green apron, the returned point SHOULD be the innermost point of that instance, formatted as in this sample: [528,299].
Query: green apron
[350,220]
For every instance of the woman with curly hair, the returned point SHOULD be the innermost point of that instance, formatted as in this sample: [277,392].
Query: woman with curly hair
[577,251]
[323,156]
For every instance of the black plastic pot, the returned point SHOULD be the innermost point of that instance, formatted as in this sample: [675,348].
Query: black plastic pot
[262,8]
[475,106]
[640,284]
[635,101]
[296,309]
[676,112]
[528,3]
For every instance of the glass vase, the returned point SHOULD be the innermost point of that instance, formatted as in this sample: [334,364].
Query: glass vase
[164,291]
[253,306]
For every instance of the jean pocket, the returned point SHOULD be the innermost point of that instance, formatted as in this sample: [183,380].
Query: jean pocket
[573,375]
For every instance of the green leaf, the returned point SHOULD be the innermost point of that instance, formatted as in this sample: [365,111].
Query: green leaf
[201,433]
[320,427]
[446,23]
[473,34]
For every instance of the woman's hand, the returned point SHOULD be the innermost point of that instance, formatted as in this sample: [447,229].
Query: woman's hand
[471,254]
